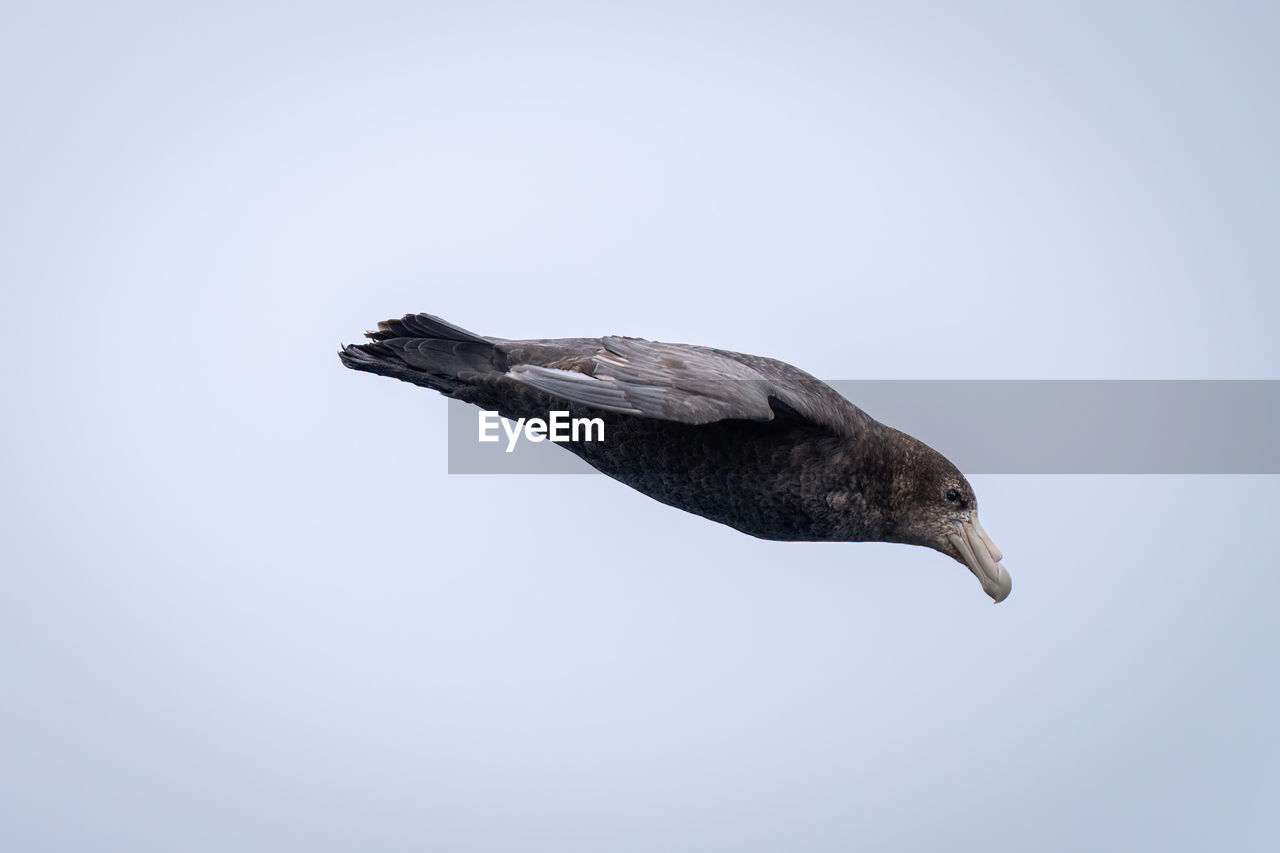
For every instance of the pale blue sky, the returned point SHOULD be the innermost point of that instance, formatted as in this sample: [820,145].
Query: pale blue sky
[244,607]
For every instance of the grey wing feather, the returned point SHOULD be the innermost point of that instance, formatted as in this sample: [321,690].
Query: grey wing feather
[690,384]
[577,387]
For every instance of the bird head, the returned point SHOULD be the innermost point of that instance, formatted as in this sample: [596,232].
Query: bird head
[932,504]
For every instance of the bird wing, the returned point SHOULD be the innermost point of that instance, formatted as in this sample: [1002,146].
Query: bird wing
[688,384]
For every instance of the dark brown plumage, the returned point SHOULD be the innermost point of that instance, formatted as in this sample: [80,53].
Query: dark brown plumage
[751,442]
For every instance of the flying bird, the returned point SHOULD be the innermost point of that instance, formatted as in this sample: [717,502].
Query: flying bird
[747,441]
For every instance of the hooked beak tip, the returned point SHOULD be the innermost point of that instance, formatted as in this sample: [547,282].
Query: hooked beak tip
[1000,590]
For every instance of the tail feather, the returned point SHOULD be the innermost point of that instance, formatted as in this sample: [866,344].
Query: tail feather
[424,350]
[422,326]
[461,359]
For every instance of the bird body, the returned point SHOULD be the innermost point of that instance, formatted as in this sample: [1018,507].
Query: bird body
[750,442]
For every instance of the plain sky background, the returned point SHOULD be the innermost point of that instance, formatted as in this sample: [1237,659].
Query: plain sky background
[244,608]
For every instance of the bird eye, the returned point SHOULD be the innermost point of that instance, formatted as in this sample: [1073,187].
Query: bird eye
[953,495]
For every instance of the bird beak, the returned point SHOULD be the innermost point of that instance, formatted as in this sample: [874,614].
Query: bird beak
[982,557]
